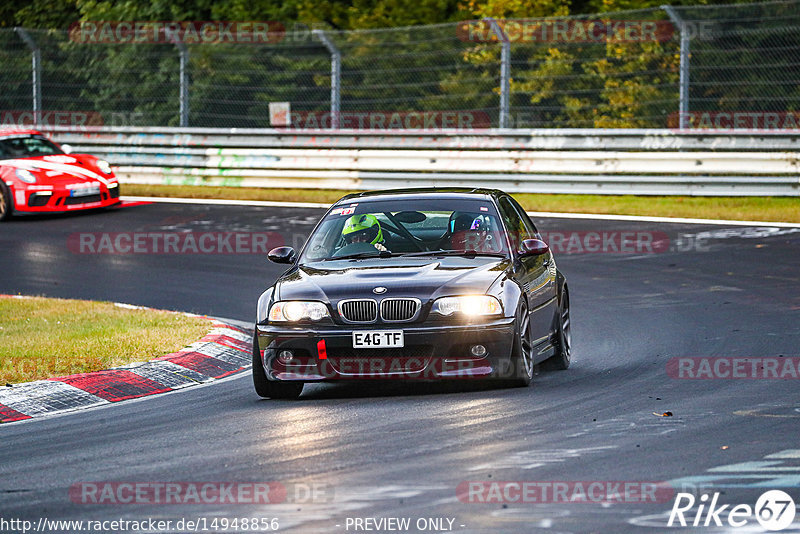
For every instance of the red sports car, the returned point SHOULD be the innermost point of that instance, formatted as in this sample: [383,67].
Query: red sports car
[37,176]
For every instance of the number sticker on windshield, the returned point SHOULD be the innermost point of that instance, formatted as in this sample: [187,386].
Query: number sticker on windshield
[344,211]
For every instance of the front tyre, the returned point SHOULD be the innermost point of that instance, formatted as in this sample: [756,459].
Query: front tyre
[267,388]
[6,203]
[522,350]
[561,359]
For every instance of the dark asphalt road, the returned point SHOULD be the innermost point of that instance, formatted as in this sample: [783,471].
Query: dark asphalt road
[401,450]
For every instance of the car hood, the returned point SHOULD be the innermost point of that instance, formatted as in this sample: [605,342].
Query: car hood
[423,278]
[60,169]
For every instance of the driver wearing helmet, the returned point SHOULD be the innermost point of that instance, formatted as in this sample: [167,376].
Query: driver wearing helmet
[363,228]
[470,231]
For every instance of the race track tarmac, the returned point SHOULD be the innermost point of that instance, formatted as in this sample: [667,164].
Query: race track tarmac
[353,451]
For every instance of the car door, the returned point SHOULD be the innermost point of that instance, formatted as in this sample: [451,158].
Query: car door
[535,274]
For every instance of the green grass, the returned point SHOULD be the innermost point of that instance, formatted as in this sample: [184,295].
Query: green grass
[43,337]
[785,209]
[324,196]
[782,209]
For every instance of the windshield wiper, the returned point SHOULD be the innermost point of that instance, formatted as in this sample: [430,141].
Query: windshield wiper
[361,255]
[453,252]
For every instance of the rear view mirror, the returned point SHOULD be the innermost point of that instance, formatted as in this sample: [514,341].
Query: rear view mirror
[282,255]
[411,217]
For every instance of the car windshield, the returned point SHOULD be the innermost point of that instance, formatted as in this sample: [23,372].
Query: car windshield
[27,147]
[407,227]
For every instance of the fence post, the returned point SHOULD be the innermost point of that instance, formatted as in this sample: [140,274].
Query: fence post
[505,70]
[683,111]
[183,52]
[336,76]
[36,72]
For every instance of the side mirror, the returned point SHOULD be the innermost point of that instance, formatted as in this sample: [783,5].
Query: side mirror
[282,255]
[533,247]
[66,148]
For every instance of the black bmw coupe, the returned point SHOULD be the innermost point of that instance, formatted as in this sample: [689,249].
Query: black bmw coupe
[413,284]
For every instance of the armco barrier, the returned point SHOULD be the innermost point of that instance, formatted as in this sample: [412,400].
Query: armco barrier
[641,162]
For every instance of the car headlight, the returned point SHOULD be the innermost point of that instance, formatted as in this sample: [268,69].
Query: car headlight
[292,311]
[103,165]
[25,175]
[470,305]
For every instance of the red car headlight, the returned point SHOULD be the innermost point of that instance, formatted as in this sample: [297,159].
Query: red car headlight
[25,175]
[104,166]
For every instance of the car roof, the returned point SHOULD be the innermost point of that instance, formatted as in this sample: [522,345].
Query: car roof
[423,192]
[9,131]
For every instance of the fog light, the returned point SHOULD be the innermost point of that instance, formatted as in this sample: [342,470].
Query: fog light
[285,356]
[478,350]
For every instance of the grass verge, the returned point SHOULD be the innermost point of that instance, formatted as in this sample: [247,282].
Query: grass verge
[780,209]
[44,337]
[324,196]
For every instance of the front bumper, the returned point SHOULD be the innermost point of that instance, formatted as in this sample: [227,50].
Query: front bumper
[59,200]
[440,351]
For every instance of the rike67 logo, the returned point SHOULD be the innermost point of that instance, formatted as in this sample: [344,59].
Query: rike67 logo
[774,510]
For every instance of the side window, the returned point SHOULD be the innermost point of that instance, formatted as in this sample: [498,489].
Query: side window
[525,219]
[517,229]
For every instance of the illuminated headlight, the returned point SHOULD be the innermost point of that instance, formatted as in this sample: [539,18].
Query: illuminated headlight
[297,310]
[471,305]
[112,185]
[104,166]
[25,175]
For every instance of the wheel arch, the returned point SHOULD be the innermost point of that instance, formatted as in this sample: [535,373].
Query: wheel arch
[509,291]
[561,289]
[8,191]
[264,302]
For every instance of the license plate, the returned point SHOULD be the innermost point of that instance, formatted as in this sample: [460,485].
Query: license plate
[378,339]
[85,191]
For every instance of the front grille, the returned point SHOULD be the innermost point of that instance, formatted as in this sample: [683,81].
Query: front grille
[412,351]
[82,200]
[412,359]
[359,311]
[37,199]
[114,192]
[396,310]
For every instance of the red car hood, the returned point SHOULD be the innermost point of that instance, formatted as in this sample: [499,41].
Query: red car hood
[61,169]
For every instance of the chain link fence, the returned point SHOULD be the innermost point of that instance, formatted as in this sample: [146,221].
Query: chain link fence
[631,69]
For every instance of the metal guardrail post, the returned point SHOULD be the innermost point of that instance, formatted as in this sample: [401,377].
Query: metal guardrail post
[183,51]
[336,76]
[36,72]
[505,70]
[184,106]
[683,111]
